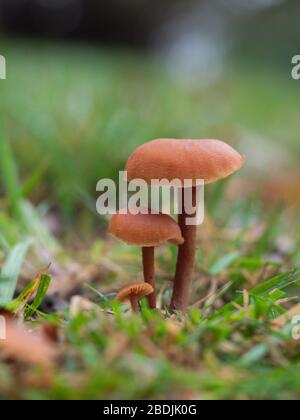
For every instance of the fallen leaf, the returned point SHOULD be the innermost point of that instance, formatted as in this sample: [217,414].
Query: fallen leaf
[24,346]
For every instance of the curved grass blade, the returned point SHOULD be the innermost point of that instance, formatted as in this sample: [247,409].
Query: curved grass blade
[11,271]
[44,283]
[280,282]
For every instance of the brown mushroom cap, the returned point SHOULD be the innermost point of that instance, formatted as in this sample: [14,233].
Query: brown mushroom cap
[145,230]
[138,290]
[210,160]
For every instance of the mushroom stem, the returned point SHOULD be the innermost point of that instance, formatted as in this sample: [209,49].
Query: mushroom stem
[149,273]
[185,260]
[134,304]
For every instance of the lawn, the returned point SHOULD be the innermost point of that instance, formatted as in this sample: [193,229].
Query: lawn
[71,115]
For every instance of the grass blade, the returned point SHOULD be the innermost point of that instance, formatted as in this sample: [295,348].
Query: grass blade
[10,175]
[44,284]
[220,265]
[280,282]
[37,228]
[11,271]
[18,303]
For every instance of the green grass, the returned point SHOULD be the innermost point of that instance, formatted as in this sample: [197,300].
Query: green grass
[74,114]
[71,115]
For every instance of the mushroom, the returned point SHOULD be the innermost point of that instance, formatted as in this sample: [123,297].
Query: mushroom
[207,160]
[133,293]
[148,231]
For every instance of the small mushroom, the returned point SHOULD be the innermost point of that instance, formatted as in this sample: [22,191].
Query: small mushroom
[133,293]
[208,160]
[148,231]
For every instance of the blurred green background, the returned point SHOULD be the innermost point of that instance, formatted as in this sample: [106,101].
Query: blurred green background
[74,111]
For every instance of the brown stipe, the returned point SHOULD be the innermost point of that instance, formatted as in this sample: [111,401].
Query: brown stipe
[147,231]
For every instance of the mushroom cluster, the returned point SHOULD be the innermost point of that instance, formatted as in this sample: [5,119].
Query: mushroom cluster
[147,231]
[169,159]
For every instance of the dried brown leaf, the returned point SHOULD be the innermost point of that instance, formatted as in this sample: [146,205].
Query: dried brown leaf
[28,347]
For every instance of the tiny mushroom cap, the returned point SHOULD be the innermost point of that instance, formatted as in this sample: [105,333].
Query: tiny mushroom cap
[138,291]
[145,230]
[208,160]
